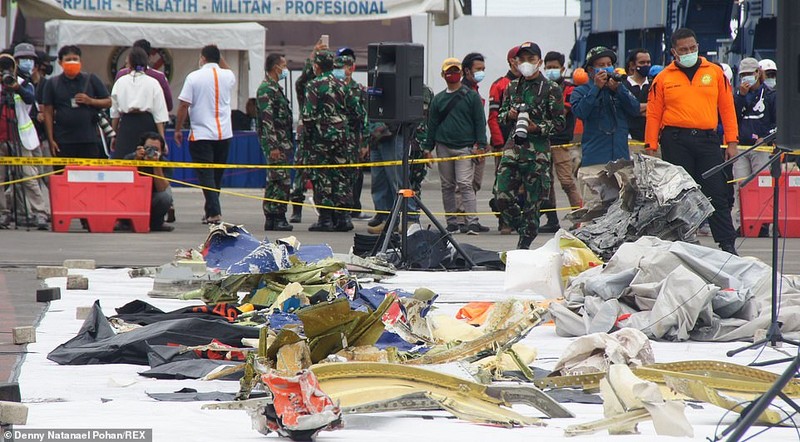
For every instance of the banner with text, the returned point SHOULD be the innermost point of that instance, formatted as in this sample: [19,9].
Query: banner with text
[229,10]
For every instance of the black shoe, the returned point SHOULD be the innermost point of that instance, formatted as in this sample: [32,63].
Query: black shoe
[375,220]
[269,223]
[161,228]
[476,229]
[764,231]
[171,215]
[728,247]
[297,214]
[463,228]
[324,222]
[344,223]
[525,242]
[549,228]
[280,224]
[453,228]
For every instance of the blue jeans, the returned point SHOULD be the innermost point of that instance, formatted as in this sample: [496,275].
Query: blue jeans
[387,180]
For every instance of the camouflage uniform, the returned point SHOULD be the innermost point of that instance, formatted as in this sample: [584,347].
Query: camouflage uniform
[324,116]
[301,175]
[417,172]
[357,126]
[275,132]
[528,164]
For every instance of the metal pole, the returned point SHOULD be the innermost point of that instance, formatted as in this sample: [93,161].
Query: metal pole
[428,48]
[450,27]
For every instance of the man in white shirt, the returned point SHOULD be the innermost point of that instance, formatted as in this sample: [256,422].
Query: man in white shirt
[206,98]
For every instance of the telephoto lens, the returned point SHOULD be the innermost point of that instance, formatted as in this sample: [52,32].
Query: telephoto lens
[523,121]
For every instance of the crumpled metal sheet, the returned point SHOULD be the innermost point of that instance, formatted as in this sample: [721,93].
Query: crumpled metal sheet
[654,198]
[594,353]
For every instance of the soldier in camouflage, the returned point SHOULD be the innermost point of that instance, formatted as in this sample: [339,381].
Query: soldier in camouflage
[324,115]
[417,172]
[275,136]
[526,155]
[358,131]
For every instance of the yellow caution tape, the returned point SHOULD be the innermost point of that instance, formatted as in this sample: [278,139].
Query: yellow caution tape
[29,178]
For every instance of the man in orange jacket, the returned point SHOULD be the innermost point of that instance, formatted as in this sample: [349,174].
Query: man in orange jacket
[683,106]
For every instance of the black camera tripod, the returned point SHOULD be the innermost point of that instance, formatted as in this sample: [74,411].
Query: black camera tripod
[8,108]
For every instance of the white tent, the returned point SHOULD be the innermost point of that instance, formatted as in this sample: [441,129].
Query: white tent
[241,44]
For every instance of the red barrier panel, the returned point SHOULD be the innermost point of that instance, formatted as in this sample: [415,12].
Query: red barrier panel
[101,196]
[756,205]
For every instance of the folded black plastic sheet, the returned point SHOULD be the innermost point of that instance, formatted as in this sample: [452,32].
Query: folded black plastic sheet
[96,342]
[481,257]
[142,313]
[162,354]
[191,369]
[191,395]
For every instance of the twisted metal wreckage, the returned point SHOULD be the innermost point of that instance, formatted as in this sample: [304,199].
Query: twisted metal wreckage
[308,344]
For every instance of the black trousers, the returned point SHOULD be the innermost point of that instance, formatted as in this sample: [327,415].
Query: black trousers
[697,151]
[210,151]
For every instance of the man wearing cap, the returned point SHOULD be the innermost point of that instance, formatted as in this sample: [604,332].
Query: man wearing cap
[770,70]
[686,101]
[324,115]
[605,106]
[756,116]
[275,135]
[358,132]
[20,141]
[456,128]
[535,105]
[499,130]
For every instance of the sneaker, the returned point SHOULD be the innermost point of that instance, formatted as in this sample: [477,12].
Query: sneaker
[453,228]
[476,229]
[704,230]
[462,228]
[375,221]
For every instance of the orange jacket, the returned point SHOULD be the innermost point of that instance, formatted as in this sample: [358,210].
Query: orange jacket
[674,101]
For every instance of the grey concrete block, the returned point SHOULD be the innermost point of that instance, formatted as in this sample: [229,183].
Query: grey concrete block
[83,312]
[77,282]
[9,391]
[13,413]
[48,294]
[23,335]
[43,272]
[87,264]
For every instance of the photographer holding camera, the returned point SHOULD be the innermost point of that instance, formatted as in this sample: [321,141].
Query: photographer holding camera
[18,138]
[151,148]
[535,106]
[605,108]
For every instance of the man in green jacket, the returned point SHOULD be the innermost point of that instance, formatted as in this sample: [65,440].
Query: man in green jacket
[457,127]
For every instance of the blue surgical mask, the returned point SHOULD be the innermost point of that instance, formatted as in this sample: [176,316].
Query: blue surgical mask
[608,69]
[770,82]
[479,76]
[26,65]
[688,60]
[284,73]
[339,73]
[552,74]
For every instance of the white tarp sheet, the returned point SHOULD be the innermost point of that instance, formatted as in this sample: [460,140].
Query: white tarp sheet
[232,10]
[245,39]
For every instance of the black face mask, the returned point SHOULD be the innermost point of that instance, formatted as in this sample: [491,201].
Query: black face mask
[644,71]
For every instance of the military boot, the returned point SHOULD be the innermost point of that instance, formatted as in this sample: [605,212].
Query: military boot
[269,222]
[297,212]
[344,222]
[525,242]
[280,224]
[324,222]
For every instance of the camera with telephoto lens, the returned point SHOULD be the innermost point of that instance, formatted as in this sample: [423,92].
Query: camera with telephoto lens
[523,121]
[616,76]
[8,68]
[150,153]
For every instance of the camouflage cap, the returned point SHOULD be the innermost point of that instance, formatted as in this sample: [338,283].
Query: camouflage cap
[600,52]
[323,56]
[343,60]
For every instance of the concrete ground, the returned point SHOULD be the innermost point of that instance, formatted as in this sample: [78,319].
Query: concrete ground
[22,250]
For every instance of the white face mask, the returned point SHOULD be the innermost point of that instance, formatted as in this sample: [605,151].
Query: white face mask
[770,82]
[527,69]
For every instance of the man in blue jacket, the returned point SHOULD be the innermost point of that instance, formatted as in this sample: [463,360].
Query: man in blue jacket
[604,106]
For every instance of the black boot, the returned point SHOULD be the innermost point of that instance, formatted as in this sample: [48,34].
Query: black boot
[324,222]
[729,247]
[269,222]
[280,224]
[297,212]
[525,242]
[344,222]
[552,225]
